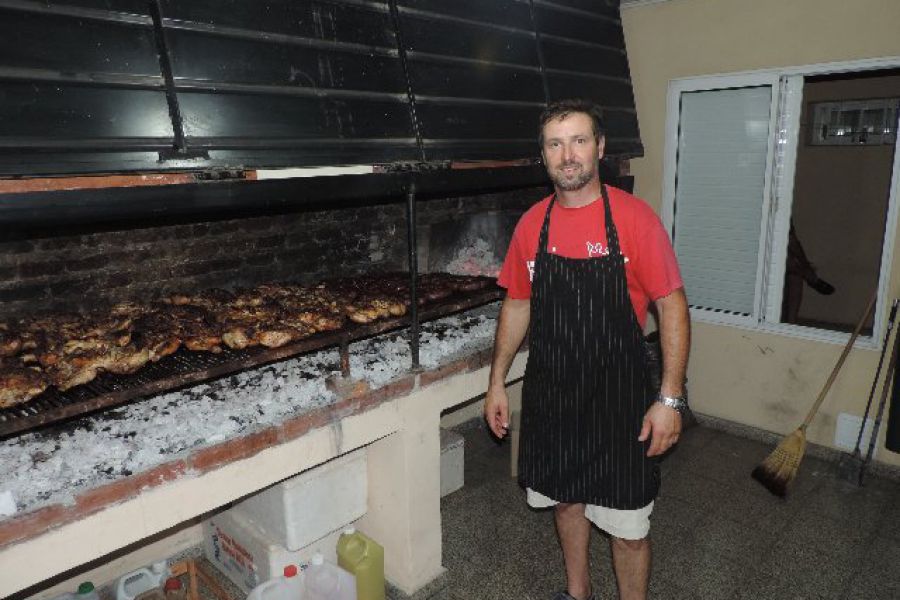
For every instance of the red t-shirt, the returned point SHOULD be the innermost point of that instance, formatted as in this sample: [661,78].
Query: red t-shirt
[650,267]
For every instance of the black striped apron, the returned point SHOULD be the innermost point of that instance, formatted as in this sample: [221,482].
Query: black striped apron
[587,385]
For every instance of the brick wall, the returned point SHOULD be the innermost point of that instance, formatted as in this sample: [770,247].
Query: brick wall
[74,272]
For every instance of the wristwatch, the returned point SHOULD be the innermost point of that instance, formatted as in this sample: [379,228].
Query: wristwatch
[678,403]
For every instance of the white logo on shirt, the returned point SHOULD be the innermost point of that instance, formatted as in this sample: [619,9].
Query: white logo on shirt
[597,249]
[593,250]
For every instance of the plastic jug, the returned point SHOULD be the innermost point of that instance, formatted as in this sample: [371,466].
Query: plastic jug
[325,581]
[363,557]
[86,591]
[286,587]
[142,580]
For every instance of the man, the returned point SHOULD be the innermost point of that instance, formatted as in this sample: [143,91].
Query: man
[798,269]
[581,270]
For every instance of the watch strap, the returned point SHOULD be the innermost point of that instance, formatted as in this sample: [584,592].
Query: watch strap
[678,403]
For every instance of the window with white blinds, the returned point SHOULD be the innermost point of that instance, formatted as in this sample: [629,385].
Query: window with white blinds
[719,195]
[733,143]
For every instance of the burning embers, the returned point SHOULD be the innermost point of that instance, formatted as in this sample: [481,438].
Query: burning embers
[477,259]
[70,350]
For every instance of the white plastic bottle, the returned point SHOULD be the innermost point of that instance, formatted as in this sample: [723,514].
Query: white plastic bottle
[142,580]
[325,581]
[285,587]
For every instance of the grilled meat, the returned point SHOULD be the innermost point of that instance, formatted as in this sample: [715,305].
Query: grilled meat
[10,342]
[67,350]
[20,383]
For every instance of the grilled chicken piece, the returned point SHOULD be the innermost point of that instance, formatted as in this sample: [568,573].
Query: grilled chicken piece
[157,331]
[272,337]
[245,326]
[124,360]
[364,299]
[210,300]
[77,369]
[19,383]
[197,329]
[10,342]
[316,307]
[130,310]
[85,367]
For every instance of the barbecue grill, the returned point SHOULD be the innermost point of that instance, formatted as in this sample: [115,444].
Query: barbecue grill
[186,367]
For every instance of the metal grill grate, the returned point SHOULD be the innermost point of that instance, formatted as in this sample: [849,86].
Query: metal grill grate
[186,368]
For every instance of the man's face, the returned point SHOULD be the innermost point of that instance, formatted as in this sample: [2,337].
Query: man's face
[571,154]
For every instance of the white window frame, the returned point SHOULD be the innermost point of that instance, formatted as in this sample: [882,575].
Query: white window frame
[676,88]
[787,99]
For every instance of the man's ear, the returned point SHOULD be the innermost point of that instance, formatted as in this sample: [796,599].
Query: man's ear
[601,145]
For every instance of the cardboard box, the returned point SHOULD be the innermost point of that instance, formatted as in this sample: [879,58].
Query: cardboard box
[247,556]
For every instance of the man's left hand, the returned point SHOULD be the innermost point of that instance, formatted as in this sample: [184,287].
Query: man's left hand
[663,426]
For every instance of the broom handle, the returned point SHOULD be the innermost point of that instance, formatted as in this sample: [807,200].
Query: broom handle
[840,362]
[888,381]
[884,349]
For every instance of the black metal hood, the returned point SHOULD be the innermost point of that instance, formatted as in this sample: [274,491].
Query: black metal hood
[102,86]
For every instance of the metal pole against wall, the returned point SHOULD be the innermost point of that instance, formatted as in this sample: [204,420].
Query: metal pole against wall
[413,274]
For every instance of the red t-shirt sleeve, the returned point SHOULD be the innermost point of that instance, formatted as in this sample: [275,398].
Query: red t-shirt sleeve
[515,275]
[655,265]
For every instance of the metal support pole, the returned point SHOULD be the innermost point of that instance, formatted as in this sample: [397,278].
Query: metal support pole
[344,351]
[413,274]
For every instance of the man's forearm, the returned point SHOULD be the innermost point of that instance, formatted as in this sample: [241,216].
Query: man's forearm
[675,341]
[511,327]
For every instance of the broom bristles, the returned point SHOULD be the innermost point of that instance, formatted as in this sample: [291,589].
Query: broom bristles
[778,470]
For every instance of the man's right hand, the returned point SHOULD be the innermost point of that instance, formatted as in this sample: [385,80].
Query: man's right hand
[496,410]
[511,328]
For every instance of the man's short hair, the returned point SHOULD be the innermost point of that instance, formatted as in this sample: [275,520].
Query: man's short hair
[560,109]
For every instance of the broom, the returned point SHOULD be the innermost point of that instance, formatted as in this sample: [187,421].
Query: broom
[851,466]
[778,470]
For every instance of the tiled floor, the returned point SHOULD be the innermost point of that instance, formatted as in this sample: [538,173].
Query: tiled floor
[717,534]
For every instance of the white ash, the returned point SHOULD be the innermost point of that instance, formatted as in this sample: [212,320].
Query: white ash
[478,258]
[54,464]
[378,360]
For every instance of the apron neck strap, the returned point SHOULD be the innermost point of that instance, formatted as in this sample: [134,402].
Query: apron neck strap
[612,235]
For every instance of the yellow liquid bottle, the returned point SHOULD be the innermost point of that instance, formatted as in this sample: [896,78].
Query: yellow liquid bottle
[364,557]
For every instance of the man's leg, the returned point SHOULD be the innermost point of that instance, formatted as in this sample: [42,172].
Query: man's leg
[574,532]
[631,561]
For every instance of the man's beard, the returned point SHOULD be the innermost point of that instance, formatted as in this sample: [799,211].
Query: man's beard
[570,185]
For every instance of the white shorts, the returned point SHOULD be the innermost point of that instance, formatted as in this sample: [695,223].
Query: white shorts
[624,524]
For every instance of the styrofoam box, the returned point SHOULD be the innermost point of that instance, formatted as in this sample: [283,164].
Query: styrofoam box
[247,556]
[302,509]
[452,460]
